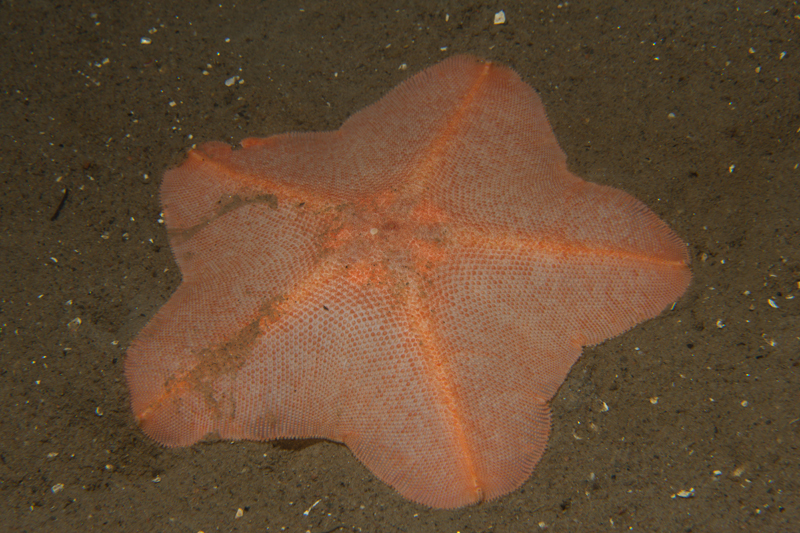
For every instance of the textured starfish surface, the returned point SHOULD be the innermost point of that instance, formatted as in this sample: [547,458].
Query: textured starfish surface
[416,285]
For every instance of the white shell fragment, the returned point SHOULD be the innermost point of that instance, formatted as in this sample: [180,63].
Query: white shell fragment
[685,493]
[500,17]
[307,511]
[772,303]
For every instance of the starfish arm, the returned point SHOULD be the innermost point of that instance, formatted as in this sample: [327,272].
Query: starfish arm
[344,365]
[509,324]
[236,271]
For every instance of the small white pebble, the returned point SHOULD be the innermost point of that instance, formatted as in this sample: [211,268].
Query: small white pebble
[772,303]
[654,400]
[500,17]
[146,40]
[239,513]
[745,404]
[58,487]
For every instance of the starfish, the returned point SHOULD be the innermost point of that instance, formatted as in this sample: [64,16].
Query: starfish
[416,285]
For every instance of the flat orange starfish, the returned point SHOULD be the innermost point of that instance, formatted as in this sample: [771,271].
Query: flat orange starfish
[416,285]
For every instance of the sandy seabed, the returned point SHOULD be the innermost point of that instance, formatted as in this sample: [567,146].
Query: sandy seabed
[692,108]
